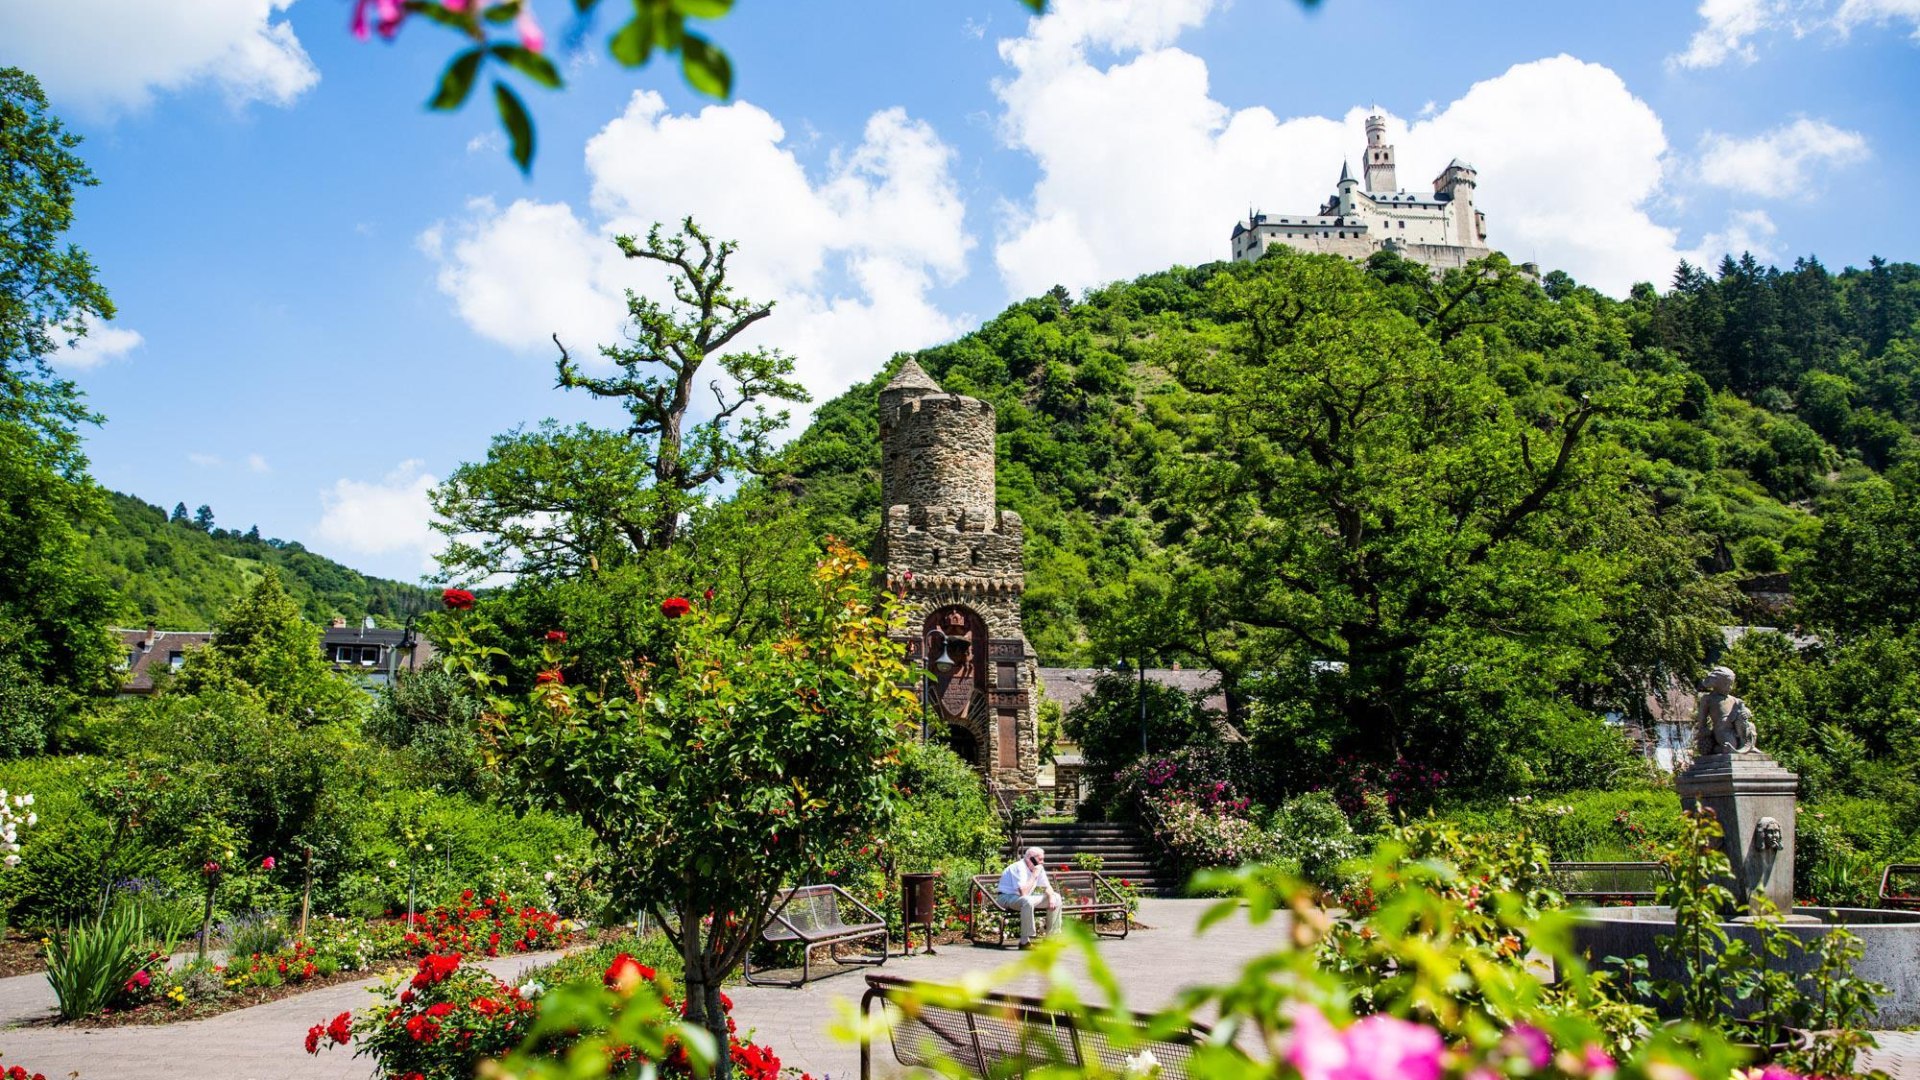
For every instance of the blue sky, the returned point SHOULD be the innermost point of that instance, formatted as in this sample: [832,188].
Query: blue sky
[329,297]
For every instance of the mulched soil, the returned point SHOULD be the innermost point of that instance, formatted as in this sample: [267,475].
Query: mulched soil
[21,954]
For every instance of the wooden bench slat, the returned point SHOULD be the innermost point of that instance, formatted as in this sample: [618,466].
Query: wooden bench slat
[1009,1034]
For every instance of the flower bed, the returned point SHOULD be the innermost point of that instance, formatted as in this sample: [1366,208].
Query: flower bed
[446,1019]
[333,951]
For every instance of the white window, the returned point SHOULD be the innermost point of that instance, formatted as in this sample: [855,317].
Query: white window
[369,655]
[175,659]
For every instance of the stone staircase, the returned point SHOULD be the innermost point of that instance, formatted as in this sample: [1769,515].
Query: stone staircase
[1124,853]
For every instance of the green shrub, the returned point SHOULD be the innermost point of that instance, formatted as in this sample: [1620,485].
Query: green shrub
[1312,830]
[652,949]
[90,964]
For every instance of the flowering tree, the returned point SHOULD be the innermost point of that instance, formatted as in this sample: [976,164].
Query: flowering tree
[726,769]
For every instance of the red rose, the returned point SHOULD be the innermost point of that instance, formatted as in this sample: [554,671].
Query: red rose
[266,863]
[211,869]
[625,973]
[341,1030]
[709,592]
[313,1038]
[552,676]
[557,636]
[673,607]
[457,599]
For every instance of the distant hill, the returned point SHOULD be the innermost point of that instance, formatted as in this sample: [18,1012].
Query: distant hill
[1798,383]
[179,575]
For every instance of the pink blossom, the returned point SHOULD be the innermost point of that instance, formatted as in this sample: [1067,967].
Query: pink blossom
[535,39]
[388,15]
[458,7]
[1376,1048]
[1598,1061]
[267,863]
[1529,1042]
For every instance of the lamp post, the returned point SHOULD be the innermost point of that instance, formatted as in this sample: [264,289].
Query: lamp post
[928,665]
[1140,697]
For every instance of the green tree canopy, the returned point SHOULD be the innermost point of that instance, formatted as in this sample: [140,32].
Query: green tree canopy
[53,611]
[264,650]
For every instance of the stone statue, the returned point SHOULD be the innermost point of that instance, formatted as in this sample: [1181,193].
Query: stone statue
[1723,724]
[1768,835]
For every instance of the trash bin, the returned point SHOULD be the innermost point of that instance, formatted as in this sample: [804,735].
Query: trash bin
[917,900]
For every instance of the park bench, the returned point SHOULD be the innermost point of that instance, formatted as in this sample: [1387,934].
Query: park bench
[817,916]
[1085,894]
[1608,882]
[1006,1035]
[1900,887]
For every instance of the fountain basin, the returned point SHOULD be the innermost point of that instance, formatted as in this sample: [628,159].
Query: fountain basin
[1891,940]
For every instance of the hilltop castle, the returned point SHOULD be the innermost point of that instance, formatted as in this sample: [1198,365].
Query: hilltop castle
[1442,230]
[956,559]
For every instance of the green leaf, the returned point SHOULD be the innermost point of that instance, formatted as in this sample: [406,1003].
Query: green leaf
[703,9]
[529,63]
[458,20]
[513,117]
[1039,7]
[634,43]
[500,14]
[707,68]
[457,81]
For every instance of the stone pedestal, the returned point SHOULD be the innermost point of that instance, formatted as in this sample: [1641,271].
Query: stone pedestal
[1753,796]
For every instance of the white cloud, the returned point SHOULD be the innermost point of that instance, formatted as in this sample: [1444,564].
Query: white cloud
[1854,13]
[109,55]
[1730,29]
[390,516]
[1776,162]
[258,463]
[849,255]
[1568,157]
[1746,231]
[1727,30]
[100,344]
[487,142]
[206,461]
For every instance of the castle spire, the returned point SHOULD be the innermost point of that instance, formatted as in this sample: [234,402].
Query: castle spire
[912,378]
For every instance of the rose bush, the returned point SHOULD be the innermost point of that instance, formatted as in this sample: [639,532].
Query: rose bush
[490,925]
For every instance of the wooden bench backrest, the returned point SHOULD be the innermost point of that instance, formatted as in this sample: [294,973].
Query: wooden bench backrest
[1005,1034]
[1900,886]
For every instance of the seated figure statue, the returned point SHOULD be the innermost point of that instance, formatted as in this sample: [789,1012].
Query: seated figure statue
[1722,724]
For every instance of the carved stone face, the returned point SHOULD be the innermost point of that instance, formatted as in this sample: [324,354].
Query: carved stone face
[1767,835]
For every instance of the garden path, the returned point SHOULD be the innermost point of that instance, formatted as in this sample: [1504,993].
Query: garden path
[263,1043]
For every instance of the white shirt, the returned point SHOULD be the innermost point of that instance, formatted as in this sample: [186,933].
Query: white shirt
[1016,876]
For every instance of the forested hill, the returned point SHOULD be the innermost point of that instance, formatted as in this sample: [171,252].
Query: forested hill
[180,573]
[1773,392]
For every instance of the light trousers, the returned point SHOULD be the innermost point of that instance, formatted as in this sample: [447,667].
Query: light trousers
[1028,904]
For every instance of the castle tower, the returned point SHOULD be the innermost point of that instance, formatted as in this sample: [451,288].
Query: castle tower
[957,560]
[1379,167]
[1344,200]
[1456,184]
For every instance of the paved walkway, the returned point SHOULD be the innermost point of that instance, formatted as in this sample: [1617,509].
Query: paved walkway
[263,1043]
[1151,965]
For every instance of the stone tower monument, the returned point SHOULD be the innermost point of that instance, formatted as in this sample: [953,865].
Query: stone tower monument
[956,558]
[1380,171]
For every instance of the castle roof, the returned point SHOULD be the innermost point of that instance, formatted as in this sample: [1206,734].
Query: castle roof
[1344,174]
[1456,163]
[912,376]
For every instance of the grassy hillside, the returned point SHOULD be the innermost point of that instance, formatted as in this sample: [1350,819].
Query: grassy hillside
[1794,384]
[179,575]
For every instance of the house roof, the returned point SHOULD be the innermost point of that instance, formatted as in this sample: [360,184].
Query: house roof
[146,648]
[354,635]
[1070,686]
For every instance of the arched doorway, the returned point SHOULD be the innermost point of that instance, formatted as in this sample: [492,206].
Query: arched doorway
[954,641]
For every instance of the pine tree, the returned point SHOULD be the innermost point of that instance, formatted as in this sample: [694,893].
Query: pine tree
[203,518]
[179,515]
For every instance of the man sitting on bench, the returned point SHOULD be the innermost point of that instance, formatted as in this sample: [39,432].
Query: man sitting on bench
[1024,884]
